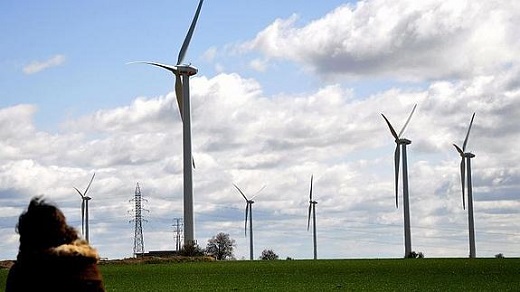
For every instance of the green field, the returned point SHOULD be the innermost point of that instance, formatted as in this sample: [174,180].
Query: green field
[321,275]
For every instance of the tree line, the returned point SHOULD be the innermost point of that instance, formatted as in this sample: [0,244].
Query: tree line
[221,247]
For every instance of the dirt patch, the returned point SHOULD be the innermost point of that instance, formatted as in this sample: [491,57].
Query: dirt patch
[6,264]
[157,260]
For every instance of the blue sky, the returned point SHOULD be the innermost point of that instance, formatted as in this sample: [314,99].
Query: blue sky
[284,90]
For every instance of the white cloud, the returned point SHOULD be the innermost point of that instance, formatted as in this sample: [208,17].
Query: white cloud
[242,136]
[142,114]
[209,54]
[38,66]
[258,65]
[16,121]
[403,39]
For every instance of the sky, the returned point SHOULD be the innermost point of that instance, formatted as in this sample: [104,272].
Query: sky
[285,90]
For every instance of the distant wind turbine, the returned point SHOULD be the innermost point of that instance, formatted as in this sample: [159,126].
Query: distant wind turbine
[466,156]
[249,209]
[84,209]
[182,74]
[312,208]
[402,143]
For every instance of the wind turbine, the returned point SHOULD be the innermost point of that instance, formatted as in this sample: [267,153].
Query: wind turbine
[249,208]
[312,208]
[466,156]
[182,74]
[401,143]
[84,208]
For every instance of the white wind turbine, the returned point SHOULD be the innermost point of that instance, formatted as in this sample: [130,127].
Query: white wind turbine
[249,209]
[182,74]
[312,208]
[466,156]
[402,143]
[84,209]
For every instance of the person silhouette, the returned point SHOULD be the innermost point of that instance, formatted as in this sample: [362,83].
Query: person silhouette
[51,255]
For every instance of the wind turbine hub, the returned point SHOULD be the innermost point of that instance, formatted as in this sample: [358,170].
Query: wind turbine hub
[87,198]
[403,141]
[468,155]
[186,69]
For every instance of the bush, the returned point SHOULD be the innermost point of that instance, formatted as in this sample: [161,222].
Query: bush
[268,255]
[499,256]
[415,255]
[191,249]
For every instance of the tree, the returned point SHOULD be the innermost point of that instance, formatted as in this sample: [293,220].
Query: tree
[268,255]
[220,246]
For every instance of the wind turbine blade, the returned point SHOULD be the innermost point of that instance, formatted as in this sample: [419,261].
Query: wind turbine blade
[407,121]
[258,192]
[391,128]
[467,134]
[193,161]
[309,217]
[164,66]
[310,192]
[86,190]
[245,222]
[463,181]
[461,152]
[397,155]
[178,92]
[78,192]
[241,192]
[187,40]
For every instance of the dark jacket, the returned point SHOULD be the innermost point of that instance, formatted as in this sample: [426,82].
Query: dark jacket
[68,267]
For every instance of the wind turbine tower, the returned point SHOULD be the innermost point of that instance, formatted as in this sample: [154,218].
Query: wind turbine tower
[401,144]
[84,209]
[312,209]
[182,73]
[465,165]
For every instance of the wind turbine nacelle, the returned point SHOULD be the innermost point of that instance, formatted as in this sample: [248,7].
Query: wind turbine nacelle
[186,69]
[403,141]
[468,155]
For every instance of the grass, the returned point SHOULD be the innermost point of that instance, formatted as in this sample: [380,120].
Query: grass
[321,275]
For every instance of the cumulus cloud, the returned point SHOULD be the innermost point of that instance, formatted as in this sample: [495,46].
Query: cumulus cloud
[142,114]
[402,39]
[17,121]
[242,136]
[38,66]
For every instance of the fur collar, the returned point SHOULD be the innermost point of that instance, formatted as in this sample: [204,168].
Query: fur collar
[78,248]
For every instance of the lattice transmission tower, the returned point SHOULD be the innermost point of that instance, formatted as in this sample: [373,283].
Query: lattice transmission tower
[177,236]
[138,220]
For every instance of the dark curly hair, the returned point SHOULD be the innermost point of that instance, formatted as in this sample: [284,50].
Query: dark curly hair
[43,226]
